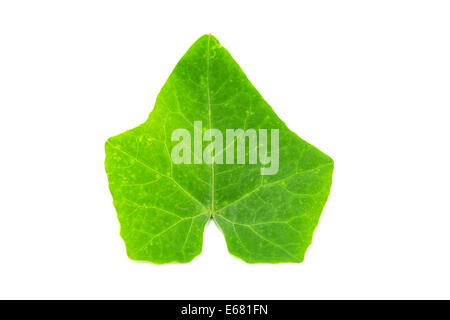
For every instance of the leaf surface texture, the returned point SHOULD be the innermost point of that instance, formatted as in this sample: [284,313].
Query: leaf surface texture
[163,207]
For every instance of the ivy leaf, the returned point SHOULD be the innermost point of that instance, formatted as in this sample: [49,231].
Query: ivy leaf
[163,206]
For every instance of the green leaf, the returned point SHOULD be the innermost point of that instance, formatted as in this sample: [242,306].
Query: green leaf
[163,207]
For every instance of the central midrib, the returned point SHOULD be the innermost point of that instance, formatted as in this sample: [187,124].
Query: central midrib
[210,126]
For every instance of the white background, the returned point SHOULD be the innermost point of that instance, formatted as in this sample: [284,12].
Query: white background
[368,82]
